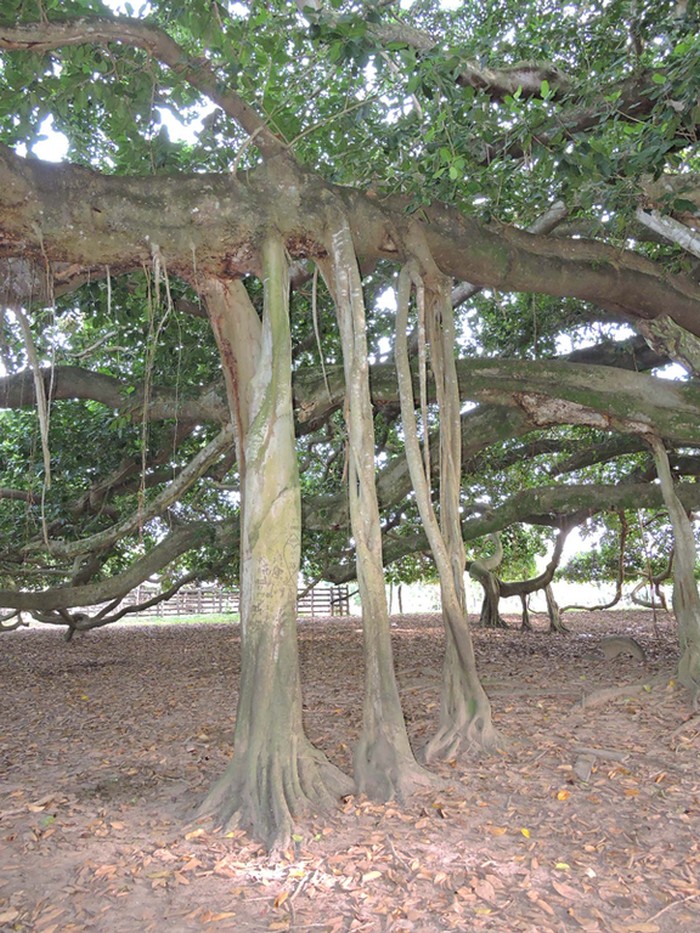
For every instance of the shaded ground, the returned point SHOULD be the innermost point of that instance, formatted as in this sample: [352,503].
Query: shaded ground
[105,743]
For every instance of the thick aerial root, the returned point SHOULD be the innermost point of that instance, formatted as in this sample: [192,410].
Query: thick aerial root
[384,772]
[268,796]
[689,668]
[465,728]
[491,620]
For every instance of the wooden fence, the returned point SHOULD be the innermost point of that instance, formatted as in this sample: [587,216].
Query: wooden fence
[319,601]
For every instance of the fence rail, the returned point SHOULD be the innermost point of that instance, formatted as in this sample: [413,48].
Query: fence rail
[319,601]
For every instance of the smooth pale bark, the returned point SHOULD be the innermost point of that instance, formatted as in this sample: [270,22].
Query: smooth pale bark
[686,600]
[455,730]
[276,774]
[465,711]
[384,763]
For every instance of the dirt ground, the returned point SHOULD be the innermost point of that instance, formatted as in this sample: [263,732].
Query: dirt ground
[588,820]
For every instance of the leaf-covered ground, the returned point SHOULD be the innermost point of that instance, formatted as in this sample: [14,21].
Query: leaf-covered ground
[107,742]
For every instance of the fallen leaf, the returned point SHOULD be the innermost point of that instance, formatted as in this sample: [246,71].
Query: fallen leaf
[281,898]
[484,889]
[566,890]
[209,917]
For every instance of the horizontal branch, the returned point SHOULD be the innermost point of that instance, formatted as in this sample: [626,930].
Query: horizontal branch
[210,224]
[178,542]
[549,506]
[557,393]
[155,507]
[76,382]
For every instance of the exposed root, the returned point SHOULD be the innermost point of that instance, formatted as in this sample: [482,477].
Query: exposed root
[267,798]
[492,620]
[456,740]
[465,727]
[607,694]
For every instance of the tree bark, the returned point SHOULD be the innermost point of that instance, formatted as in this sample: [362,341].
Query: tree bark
[686,600]
[490,616]
[276,774]
[526,624]
[384,763]
[555,620]
[465,711]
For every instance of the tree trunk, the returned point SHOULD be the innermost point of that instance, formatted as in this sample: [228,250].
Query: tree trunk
[275,774]
[465,711]
[490,616]
[556,623]
[526,624]
[686,601]
[384,763]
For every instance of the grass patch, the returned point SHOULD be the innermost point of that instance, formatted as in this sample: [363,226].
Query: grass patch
[213,618]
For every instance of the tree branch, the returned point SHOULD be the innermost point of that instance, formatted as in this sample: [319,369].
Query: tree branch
[68,213]
[164,553]
[75,382]
[102,30]
[157,506]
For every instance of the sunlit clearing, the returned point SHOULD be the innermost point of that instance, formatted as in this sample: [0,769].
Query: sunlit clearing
[445,4]
[672,371]
[52,145]
[129,9]
[386,300]
[179,132]
[587,336]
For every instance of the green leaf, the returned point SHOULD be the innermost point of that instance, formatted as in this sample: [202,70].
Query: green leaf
[683,204]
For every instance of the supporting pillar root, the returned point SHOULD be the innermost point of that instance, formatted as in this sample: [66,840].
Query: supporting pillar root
[467,729]
[269,795]
[383,772]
